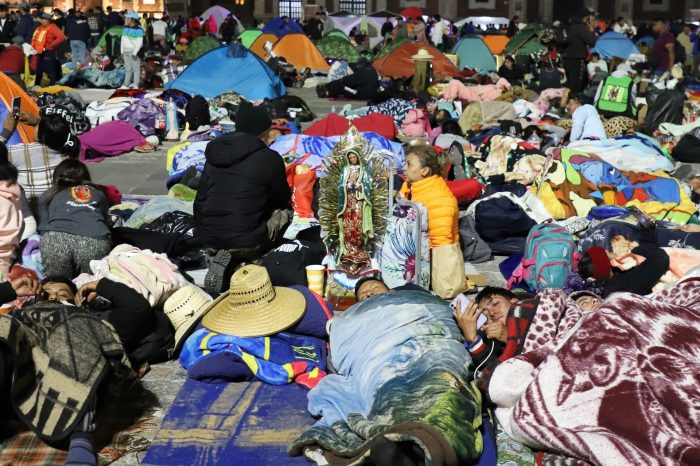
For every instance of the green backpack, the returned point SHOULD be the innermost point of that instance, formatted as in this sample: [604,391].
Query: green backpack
[616,98]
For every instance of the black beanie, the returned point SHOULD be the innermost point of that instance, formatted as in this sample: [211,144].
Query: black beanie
[252,120]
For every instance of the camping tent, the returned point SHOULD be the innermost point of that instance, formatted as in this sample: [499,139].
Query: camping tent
[483,21]
[412,12]
[115,31]
[298,50]
[23,134]
[220,13]
[474,54]
[390,47]
[525,42]
[248,36]
[278,27]
[398,63]
[229,69]
[336,47]
[258,46]
[200,46]
[613,44]
[496,43]
[345,21]
[338,33]
[383,14]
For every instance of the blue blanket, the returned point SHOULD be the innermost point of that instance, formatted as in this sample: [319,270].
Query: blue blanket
[400,362]
[236,424]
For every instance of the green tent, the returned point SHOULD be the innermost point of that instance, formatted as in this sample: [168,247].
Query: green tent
[248,36]
[525,42]
[199,47]
[338,33]
[115,31]
[336,47]
[390,48]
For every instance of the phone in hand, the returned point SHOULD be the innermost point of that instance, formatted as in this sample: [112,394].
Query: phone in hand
[461,303]
[16,106]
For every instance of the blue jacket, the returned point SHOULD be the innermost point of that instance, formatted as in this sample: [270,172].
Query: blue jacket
[25,28]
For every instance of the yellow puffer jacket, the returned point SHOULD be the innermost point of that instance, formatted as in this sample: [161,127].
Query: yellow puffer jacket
[443,213]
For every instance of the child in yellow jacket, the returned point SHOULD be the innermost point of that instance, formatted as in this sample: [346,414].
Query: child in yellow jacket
[425,184]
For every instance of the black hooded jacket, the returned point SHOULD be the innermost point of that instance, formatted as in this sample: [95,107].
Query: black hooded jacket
[242,184]
[579,38]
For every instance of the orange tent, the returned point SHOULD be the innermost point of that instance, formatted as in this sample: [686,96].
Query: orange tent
[298,50]
[496,43]
[398,62]
[258,45]
[8,91]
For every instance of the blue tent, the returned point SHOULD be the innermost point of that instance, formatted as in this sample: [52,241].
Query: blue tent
[474,54]
[278,27]
[229,69]
[646,40]
[613,44]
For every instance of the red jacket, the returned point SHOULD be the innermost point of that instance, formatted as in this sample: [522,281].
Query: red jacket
[12,60]
[47,38]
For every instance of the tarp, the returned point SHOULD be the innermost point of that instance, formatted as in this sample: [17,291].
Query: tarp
[525,42]
[474,54]
[199,47]
[258,46]
[298,50]
[8,91]
[278,27]
[483,21]
[336,47]
[113,31]
[613,44]
[248,36]
[496,43]
[398,64]
[229,69]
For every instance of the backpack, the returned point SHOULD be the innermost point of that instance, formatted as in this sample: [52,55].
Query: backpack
[197,113]
[616,97]
[548,260]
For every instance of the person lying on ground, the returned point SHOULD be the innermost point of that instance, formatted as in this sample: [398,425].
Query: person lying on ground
[586,122]
[362,84]
[587,301]
[368,287]
[635,272]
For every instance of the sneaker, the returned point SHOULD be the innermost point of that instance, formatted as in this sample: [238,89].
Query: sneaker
[214,280]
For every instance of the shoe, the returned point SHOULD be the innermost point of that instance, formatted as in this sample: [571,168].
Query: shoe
[214,280]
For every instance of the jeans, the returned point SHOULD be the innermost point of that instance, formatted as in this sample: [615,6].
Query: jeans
[132,70]
[78,49]
[47,62]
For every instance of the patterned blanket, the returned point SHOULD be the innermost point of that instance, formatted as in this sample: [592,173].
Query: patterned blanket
[60,356]
[402,376]
[618,386]
[575,182]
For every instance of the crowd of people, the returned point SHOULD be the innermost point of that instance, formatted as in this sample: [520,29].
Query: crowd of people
[578,166]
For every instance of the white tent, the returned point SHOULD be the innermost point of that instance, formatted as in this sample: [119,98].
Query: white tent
[482,22]
[220,13]
[345,21]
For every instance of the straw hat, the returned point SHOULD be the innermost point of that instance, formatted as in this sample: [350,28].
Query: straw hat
[252,307]
[422,54]
[184,308]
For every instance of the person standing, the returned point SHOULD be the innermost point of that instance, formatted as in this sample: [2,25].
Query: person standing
[387,29]
[687,44]
[46,40]
[401,30]
[25,25]
[513,26]
[113,18]
[437,34]
[663,54]
[419,30]
[7,26]
[228,29]
[580,36]
[78,32]
[132,41]
[96,25]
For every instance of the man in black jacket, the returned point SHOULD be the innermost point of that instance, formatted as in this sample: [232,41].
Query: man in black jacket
[580,36]
[7,26]
[78,32]
[242,203]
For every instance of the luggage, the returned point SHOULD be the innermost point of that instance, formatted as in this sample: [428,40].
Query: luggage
[548,260]
[102,112]
[405,252]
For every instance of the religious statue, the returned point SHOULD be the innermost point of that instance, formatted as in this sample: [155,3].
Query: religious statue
[353,202]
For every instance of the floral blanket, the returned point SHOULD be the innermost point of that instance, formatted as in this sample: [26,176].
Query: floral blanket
[402,376]
[618,386]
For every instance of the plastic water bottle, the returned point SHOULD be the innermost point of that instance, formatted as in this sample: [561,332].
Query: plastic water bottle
[535,141]
[333,109]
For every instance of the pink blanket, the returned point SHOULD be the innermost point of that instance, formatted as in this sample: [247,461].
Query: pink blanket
[457,90]
[618,387]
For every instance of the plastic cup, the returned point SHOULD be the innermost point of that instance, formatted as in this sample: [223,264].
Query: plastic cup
[315,275]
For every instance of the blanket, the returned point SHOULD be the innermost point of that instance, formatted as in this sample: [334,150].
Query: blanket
[638,153]
[616,387]
[402,375]
[60,356]
[108,140]
[575,182]
[151,274]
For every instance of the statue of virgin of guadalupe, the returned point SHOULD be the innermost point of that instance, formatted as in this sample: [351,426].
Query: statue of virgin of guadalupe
[353,202]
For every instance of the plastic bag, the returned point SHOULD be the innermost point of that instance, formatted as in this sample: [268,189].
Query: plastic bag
[665,106]
[172,222]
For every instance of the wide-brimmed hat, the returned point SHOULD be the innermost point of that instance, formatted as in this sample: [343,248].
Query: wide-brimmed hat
[422,54]
[252,307]
[184,308]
